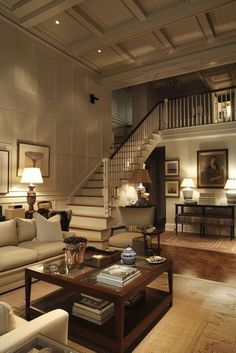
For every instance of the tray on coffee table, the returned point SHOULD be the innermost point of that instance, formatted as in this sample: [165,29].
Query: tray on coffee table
[98,258]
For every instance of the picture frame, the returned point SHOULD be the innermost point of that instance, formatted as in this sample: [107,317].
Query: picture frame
[33,155]
[4,171]
[172,168]
[212,168]
[172,188]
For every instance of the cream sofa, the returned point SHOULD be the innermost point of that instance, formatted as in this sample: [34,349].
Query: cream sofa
[14,330]
[20,248]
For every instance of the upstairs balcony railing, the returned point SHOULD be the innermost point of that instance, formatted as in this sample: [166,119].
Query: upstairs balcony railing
[201,109]
[196,110]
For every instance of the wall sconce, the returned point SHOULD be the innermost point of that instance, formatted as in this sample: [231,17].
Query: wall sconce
[230,186]
[188,185]
[93,98]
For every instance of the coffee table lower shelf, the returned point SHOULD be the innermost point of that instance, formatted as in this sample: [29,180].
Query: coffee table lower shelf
[145,313]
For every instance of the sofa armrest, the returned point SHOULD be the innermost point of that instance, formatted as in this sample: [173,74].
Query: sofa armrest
[53,325]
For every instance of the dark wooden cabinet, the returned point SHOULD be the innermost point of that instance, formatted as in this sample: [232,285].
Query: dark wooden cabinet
[205,215]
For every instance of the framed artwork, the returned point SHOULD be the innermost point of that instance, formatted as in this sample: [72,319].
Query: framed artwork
[4,172]
[212,168]
[32,155]
[172,188]
[172,168]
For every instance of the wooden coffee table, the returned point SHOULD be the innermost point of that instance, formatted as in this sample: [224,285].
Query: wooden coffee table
[129,324]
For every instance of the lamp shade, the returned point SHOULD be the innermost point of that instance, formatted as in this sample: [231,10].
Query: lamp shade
[141,176]
[31,176]
[187,183]
[230,184]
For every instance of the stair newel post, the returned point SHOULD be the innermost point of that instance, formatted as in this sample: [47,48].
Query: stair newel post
[106,186]
[165,125]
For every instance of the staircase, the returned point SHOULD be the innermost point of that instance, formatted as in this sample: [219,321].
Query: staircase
[90,217]
[94,208]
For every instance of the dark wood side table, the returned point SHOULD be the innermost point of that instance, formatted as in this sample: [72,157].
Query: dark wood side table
[205,215]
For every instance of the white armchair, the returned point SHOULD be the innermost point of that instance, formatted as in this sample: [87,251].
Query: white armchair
[14,331]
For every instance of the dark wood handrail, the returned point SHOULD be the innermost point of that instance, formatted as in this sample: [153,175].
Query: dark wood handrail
[136,127]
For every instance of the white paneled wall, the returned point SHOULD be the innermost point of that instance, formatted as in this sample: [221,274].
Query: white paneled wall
[44,99]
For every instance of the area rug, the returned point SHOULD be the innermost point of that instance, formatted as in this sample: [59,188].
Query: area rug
[202,319]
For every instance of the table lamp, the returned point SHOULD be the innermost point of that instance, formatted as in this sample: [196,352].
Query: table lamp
[141,176]
[188,185]
[31,176]
[230,186]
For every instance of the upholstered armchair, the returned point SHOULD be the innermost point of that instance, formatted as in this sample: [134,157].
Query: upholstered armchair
[14,330]
[136,220]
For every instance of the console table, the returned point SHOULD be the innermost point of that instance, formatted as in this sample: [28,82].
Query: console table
[205,215]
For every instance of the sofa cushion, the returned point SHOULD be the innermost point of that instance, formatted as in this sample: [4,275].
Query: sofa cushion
[8,235]
[122,240]
[48,230]
[15,256]
[26,229]
[7,319]
[44,250]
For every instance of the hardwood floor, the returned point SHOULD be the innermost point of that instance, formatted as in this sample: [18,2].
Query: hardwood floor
[212,257]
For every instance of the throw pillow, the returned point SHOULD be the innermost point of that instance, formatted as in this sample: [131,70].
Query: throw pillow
[8,234]
[48,229]
[7,319]
[26,229]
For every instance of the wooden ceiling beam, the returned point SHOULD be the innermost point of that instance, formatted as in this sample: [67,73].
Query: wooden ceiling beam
[47,11]
[87,23]
[164,40]
[206,27]
[173,66]
[135,9]
[123,53]
[173,14]
[22,9]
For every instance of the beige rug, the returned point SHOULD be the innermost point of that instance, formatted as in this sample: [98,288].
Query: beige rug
[202,319]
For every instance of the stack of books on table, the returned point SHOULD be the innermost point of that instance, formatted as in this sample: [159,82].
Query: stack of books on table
[93,309]
[207,198]
[118,275]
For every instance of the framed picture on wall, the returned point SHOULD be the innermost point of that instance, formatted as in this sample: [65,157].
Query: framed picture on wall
[212,168]
[4,172]
[32,155]
[172,188]
[172,168]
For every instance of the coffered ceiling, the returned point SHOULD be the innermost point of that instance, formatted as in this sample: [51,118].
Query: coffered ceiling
[134,41]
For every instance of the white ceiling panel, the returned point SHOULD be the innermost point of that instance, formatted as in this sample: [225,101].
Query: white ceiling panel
[106,58]
[107,13]
[183,32]
[152,6]
[224,19]
[68,30]
[141,45]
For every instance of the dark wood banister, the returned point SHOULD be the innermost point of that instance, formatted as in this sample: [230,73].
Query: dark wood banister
[133,131]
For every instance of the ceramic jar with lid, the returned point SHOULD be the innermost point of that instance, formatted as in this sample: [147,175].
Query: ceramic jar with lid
[128,256]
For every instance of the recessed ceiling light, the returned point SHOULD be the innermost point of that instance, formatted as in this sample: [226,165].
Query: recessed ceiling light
[99,51]
[57,22]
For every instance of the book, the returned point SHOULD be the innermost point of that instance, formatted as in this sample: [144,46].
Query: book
[117,279]
[99,309]
[78,310]
[117,283]
[118,271]
[93,320]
